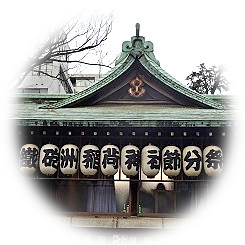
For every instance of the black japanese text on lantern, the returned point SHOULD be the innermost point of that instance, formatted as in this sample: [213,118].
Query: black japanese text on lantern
[192,159]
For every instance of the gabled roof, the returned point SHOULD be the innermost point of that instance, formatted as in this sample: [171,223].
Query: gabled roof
[141,51]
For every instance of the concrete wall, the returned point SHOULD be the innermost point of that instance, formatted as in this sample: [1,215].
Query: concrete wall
[44,82]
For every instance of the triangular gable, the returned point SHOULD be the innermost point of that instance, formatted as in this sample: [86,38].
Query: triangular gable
[137,90]
[132,88]
[138,63]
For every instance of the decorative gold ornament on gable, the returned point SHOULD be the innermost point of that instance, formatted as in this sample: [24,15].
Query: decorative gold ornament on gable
[137,89]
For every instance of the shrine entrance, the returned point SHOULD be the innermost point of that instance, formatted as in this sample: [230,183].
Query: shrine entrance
[121,195]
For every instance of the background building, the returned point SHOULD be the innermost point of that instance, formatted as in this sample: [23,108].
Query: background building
[50,77]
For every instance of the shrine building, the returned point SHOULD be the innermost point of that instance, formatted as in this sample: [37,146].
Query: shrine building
[136,143]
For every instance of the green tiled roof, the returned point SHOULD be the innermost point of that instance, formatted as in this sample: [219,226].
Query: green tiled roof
[37,96]
[118,115]
[140,50]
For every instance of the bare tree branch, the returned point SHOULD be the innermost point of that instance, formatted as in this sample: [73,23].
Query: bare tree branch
[81,62]
[73,38]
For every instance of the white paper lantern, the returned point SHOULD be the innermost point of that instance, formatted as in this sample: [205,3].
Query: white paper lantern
[130,160]
[150,159]
[49,159]
[89,159]
[192,160]
[29,154]
[109,160]
[69,159]
[212,160]
[171,160]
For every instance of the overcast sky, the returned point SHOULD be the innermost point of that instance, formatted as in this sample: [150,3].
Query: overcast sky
[184,33]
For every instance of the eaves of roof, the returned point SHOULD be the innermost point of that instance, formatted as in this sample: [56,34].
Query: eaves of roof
[168,80]
[131,116]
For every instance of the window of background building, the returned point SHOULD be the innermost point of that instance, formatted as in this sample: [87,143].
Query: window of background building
[81,83]
[34,90]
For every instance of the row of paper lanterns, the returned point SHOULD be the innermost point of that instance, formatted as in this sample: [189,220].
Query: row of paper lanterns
[50,158]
